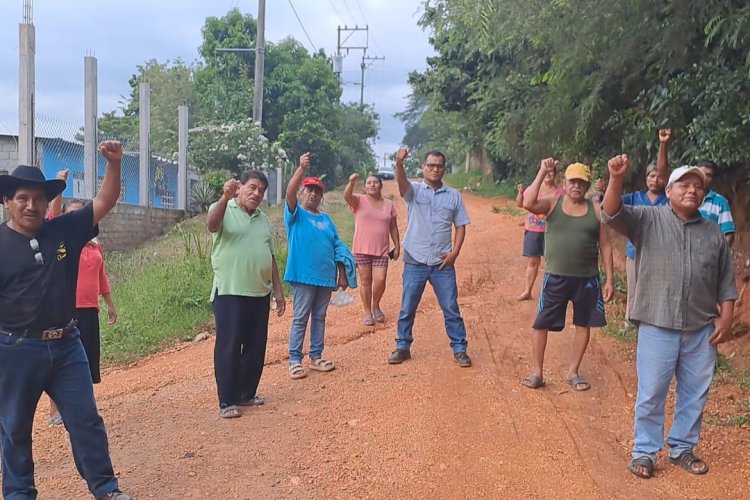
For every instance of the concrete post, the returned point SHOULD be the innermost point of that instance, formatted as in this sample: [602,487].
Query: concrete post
[182,162]
[279,185]
[26,84]
[144,139]
[90,173]
[260,50]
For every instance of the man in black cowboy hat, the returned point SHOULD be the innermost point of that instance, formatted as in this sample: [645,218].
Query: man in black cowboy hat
[40,349]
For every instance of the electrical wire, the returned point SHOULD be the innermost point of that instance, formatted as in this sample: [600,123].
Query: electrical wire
[302,26]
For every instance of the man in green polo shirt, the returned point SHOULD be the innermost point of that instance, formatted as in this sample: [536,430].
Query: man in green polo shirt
[245,273]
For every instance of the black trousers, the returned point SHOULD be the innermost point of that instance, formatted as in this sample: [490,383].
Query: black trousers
[88,325]
[240,349]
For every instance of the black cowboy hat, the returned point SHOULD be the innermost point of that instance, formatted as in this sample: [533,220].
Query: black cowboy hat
[26,176]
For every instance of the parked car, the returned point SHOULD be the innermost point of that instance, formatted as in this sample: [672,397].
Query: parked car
[386,173]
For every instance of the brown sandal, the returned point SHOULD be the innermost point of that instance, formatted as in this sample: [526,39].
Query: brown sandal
[687,459]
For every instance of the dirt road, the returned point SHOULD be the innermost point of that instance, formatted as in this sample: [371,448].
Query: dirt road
[424,429]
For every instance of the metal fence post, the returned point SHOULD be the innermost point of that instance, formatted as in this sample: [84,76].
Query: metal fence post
[144,120]
[182,162]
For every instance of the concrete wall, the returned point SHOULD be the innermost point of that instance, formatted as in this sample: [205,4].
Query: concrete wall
[8,153]
[129,226]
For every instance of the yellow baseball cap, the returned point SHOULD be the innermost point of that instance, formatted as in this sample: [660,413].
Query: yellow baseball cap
[578,171]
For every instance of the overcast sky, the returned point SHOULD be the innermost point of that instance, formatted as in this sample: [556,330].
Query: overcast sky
[124,34]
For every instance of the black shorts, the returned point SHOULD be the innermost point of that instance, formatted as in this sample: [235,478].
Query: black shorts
[88,325]
[533,244]
[557,291]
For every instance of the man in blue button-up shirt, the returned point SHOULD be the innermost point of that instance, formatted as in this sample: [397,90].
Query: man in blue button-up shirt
[429,254]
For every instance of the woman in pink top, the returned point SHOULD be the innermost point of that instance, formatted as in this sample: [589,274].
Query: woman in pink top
[374,221]
[533,235]
[92,283]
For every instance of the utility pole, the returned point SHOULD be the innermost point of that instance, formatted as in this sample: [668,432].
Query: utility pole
[260,50]
[338,63]
[364,66]
[26,84]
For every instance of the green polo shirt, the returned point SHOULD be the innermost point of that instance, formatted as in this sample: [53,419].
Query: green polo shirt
[242,253]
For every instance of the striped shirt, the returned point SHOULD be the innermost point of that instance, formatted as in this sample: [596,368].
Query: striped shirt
[716,208]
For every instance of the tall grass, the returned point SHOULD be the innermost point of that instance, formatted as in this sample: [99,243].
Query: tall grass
[161,293]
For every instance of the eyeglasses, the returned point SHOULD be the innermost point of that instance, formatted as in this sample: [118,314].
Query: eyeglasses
[38,257]
[433,166]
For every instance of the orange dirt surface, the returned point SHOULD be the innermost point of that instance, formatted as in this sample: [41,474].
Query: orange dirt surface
[423,429]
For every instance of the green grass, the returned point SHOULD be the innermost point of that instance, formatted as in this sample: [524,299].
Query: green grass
[515,211]
[482,185]
[740,419]
[162,290]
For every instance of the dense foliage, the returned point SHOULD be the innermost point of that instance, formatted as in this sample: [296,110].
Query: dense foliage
[584,80]
[301,107]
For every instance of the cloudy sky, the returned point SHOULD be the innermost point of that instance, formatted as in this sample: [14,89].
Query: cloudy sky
[124,34]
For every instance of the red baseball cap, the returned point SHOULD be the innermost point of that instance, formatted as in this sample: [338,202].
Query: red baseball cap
[314,182]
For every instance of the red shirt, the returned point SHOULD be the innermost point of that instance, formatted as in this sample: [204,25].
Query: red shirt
[92,280]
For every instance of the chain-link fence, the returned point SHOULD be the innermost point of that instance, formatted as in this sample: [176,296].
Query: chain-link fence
[60,146]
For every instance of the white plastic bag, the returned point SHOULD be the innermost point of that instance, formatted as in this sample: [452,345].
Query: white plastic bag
[340,298]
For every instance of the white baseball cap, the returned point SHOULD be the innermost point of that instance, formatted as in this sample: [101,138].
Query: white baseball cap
[684,170]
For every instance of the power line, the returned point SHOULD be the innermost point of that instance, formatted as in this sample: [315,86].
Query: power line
[302,26]
[350,12]
[337,12]
[364,18]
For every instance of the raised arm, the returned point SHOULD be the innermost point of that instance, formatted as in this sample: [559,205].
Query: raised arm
[294,182]
[605,250]
[403,182]
[216,214]
[349,191]
[530,202]
[56,205]
[617,166]
[662,161]
[107,197]
[519,196]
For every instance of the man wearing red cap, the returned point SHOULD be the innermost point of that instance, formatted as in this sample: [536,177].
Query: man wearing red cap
[318,262]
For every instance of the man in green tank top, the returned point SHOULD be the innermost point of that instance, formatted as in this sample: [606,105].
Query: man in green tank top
[574,239]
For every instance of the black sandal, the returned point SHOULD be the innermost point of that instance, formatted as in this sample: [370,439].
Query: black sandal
[635,464]
[687,459]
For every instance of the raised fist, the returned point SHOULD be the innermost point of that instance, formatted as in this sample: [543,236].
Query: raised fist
[304,161]
[62,175]
[618,165]
[111,151]
[665,135]
[401,155]
[230,188]
[353,178]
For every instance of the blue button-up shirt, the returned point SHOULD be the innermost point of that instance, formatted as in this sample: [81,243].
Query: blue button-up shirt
[636,199]
[431,217]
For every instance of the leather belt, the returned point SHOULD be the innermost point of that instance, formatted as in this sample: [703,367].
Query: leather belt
[46,334]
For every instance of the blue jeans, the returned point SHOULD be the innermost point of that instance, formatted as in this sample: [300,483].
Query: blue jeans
[662,354]
[29,367]
[310,301]
[443,282]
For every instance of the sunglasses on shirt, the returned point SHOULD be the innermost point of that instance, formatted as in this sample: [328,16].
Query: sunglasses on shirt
[38,257]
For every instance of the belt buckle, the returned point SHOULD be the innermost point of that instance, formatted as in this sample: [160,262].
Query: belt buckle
[54,334]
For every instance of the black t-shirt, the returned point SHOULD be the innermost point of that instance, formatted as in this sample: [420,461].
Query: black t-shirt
[38,296]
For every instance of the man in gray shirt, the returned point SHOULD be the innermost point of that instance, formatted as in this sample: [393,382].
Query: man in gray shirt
[429,254]
[683,306]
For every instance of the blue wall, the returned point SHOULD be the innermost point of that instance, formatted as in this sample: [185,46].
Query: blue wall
[57,154]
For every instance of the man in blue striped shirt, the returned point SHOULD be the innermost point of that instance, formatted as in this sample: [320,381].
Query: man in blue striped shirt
[715,207]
